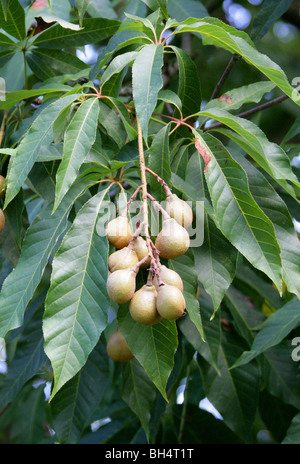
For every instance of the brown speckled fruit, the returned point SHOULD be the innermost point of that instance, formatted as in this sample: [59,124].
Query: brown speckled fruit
[168,276]
[173,240]
[122,259]
[142,307]
[117,348]
[121,285]
[170,302]
[179,209]
[118,232]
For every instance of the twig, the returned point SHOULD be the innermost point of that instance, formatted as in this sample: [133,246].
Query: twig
[161,181]
[225,74]
[2,129]
[124,213]
[159,207]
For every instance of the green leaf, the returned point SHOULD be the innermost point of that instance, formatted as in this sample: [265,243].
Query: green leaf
[11,98]
[275,208]
[280,373]
[273,331]
[232,40]
[293,434]
[78,140]
[138,392]
[6,55]
[94,30]
[182,10]
[216,258]
[235,98]
[267,154]
[39,133]
[40,239]
[6,42]
[73,406]
[153,346]
[12,19]
[239,218]
[233,393]
[77,302]
[103,8]
[159,161]
[268,13]
[189,86]
[170,97]
[263,154]
[146,82]
[124,115]
[28,359]
[117,65]
[109,119]
[50,18]
[156,4]
[49,63]
[209,345]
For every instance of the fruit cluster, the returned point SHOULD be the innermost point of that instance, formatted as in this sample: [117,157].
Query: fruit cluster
[162,295]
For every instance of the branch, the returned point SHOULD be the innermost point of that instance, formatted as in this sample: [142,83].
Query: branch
[225,74]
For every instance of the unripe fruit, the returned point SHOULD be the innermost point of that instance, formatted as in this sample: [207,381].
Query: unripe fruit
[122,259]
[117,348]
[142,307]
[2,188]
[168,276]
[2,220]
[121,285]
[173,240]
[141,249]
[118,232]
[179,209]
[170,302]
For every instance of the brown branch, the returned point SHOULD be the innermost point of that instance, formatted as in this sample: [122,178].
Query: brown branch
[225,74]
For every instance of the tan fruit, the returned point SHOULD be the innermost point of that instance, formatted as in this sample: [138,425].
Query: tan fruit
[170,302]
[141,249]
[2,220]
[168,276]
[122,259]
[117,348]
[121,285]
[179,209]
[173,240]
[2,188]
[118,232]
[142,307]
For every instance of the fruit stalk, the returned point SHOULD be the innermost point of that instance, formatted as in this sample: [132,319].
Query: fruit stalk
[153,267]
